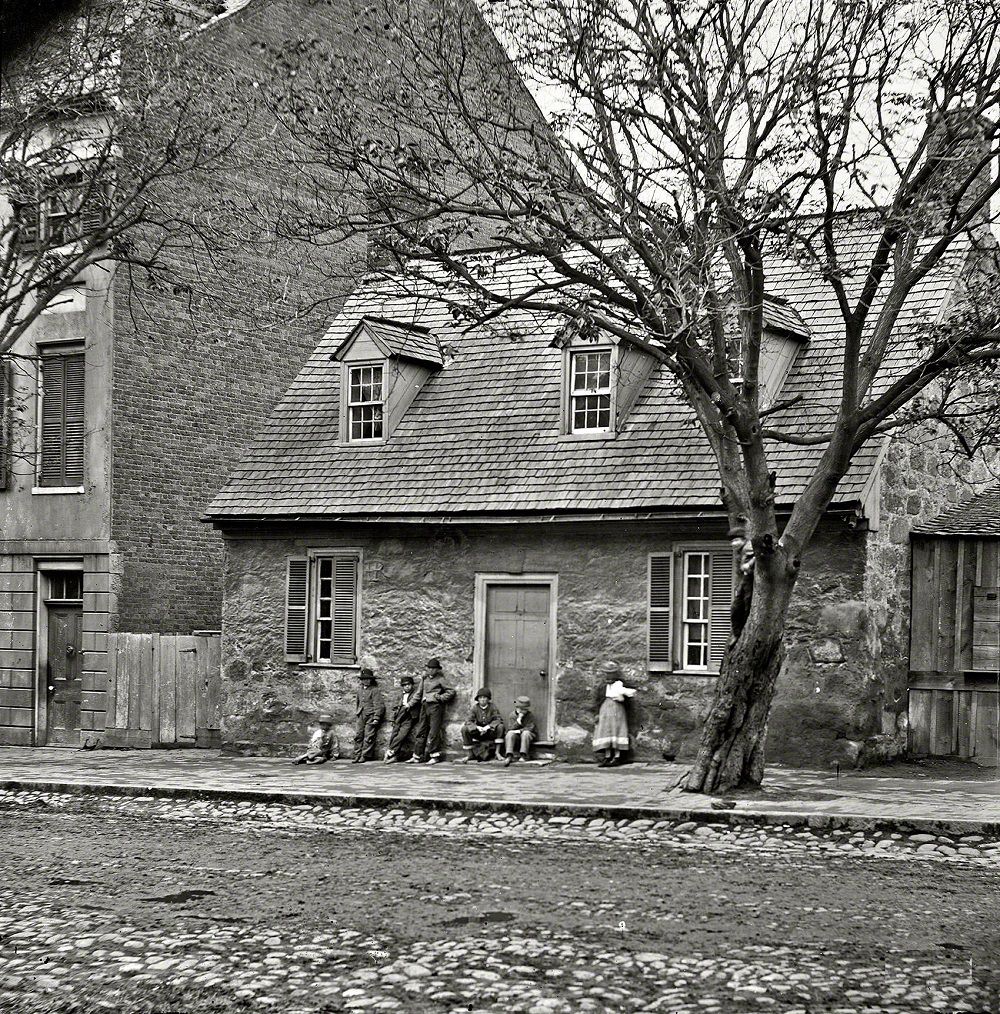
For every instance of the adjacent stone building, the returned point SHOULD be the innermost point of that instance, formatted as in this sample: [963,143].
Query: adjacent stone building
[526,510]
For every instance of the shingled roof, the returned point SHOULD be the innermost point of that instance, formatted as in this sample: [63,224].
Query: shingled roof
[482,437]
[979,516]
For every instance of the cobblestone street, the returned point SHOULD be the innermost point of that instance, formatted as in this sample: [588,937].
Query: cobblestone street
[147,905]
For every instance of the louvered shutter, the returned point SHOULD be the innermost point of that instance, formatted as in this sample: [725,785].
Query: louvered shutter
[94,213]
[26,214]
[721,590]
[661,572]
[296,607]
[62,443]
[345,608]
[73,420]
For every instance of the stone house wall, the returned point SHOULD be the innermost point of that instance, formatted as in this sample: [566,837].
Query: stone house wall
[417,600]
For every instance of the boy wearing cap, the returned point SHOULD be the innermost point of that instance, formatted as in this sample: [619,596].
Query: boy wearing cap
[435,696]
[483,732]
[323,745]
[370,710]
[404,721]
[521,731]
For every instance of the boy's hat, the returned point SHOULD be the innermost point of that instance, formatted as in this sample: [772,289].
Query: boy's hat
[484,692]
[433,663]
[405,680]
[366,674]
[522,702]
[325,720]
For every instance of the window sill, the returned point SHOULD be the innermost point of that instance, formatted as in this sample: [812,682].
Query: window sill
[693,672]
[49,490]
[601,435]
[327,665]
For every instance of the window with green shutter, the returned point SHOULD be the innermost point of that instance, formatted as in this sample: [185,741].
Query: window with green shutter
[61,443]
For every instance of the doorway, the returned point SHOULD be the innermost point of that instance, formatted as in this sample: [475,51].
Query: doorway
[61,660]
[515,643]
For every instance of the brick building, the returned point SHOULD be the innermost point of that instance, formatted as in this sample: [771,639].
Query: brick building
[525,511]
[152,393]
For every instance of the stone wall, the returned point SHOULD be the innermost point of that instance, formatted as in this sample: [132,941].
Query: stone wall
[418,600]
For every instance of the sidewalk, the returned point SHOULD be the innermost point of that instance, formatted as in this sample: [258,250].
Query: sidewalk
[792,796]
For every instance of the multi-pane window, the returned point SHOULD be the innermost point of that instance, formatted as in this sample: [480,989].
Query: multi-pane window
[65,586]
[321,608]
[364,403]
[696,610]
[61,447]
[590,391]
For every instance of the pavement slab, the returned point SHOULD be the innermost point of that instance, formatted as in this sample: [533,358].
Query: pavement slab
[637,790]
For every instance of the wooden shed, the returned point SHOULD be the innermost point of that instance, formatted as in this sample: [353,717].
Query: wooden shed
[954,686]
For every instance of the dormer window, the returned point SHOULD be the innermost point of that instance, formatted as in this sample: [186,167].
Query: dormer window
[590,391]
[385,364]
[365,402]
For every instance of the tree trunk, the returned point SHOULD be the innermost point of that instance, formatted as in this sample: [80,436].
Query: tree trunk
[731,754]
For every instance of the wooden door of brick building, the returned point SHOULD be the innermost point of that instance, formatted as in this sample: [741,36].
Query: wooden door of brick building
[64,684]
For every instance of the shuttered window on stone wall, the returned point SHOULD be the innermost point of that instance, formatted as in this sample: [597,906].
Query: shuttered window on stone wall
[661,576]
[321,609]
[61,445]
[690,595]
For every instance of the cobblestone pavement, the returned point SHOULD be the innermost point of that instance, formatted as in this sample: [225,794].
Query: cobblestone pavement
[151,905]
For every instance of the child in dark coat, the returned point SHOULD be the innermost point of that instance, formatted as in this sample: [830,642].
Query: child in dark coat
[428,742]
[404,721]
[370,709]
[483,732]
[522,730]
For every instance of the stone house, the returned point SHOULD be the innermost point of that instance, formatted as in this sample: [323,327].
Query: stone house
[125,409]
[525,511]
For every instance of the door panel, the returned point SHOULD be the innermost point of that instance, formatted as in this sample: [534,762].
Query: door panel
[517,648]
[64,685]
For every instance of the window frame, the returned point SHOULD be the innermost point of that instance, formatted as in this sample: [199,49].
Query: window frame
[59,350]
[683,621]
[349,405]
[316,557]
[570,395]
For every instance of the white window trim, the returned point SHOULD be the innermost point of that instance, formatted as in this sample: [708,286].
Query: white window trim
[567,407]
[49,490]
[345,387]
[682,622]
[312,627]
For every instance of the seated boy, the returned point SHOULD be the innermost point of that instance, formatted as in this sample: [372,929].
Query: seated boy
[521,731]
[323,745]
[404,721]
[370,709]
[482,734]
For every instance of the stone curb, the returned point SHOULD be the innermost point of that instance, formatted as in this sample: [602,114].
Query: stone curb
[761,817]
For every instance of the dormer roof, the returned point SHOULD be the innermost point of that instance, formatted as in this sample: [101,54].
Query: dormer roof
[782,318]
[395,339]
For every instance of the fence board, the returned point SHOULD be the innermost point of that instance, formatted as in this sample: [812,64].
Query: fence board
[187,651]
[168,693]
[920,722]
[112,684]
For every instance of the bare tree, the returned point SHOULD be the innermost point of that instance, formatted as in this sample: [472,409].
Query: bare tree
[690,146]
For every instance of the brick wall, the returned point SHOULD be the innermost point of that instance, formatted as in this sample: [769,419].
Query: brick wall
[202,356]
[418,600]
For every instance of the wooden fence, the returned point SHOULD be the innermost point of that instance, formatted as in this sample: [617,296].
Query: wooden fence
[163,690]
[962,723]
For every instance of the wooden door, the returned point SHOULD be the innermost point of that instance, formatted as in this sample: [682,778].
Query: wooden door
[63,674]
[517,648]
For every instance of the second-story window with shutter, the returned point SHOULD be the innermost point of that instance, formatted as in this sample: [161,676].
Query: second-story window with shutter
[62,421]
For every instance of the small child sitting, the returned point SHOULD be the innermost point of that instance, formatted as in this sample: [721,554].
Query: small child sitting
[323,745]
[521,731]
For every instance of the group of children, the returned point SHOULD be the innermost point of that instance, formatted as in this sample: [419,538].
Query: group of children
[418,720]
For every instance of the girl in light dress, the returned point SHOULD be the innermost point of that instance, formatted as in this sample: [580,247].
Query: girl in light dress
[612,734]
